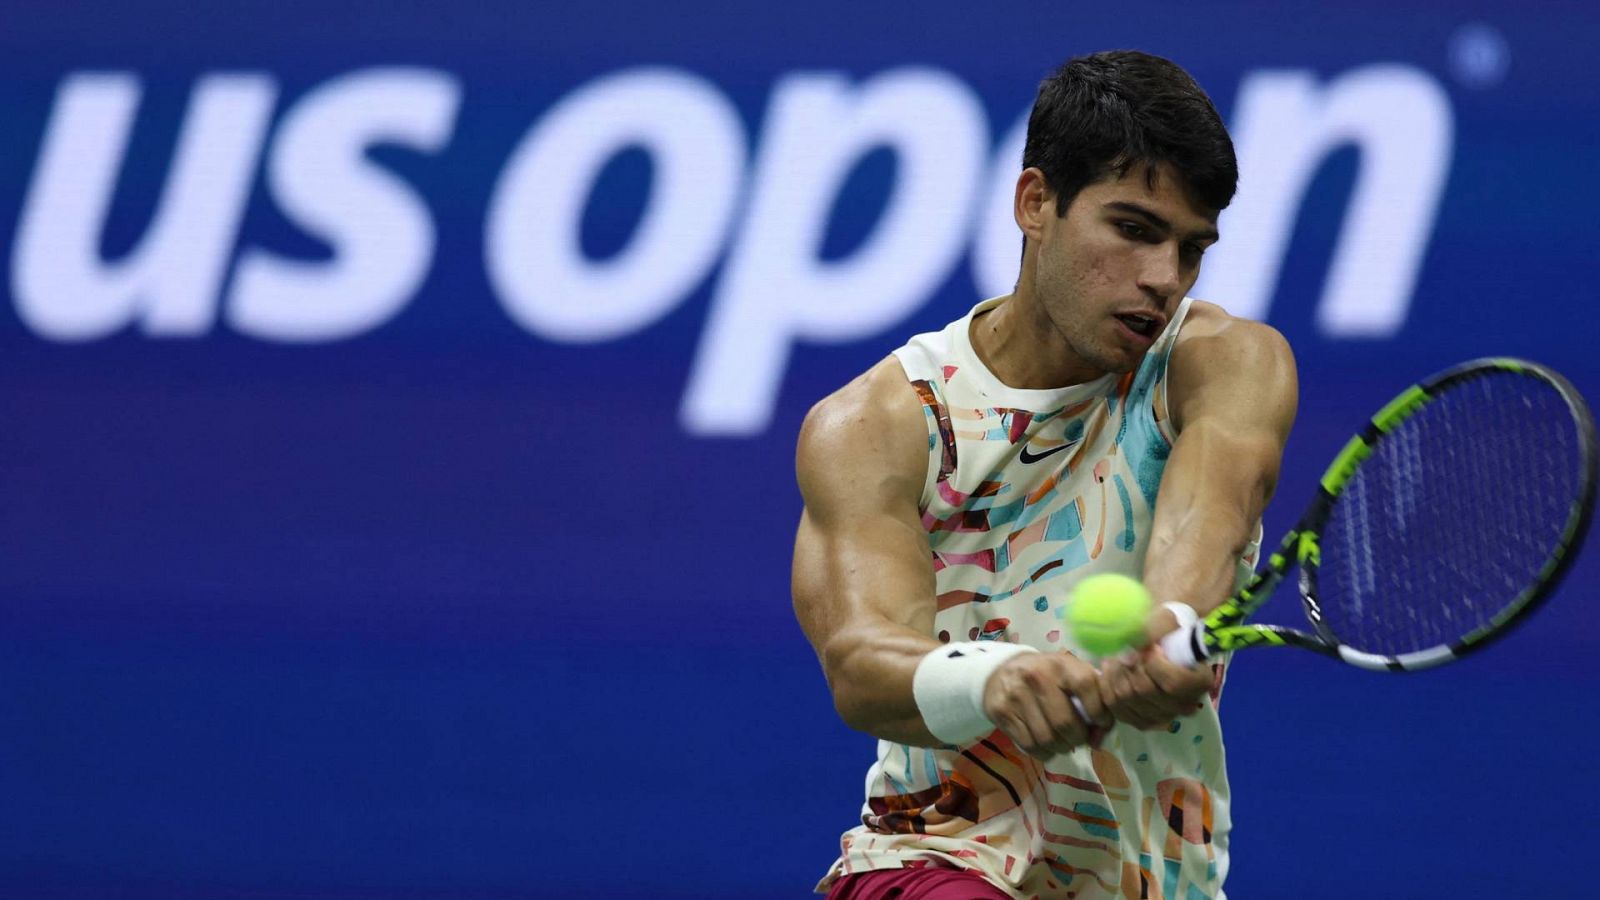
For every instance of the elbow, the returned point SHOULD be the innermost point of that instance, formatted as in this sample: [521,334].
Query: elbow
[837,662]
[857,711]
[870,668]
[856,685]
[851,713]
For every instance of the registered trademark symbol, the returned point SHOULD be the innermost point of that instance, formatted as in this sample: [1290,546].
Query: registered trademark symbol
[1479,55]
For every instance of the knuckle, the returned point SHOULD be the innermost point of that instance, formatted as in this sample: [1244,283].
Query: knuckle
[1066,740]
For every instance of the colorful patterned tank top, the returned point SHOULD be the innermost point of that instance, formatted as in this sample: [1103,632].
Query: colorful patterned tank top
[1027,492]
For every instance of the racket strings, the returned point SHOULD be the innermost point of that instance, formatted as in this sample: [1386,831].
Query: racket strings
[1453,516]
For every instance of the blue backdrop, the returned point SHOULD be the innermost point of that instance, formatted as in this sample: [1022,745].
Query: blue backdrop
[400,405]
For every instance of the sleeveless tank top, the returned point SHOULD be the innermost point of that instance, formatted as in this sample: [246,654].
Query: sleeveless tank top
[1027,492]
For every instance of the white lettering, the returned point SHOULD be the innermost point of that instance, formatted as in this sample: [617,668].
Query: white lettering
[775,291]
[381,231]
[534,258]
[169,283]
[1400,120]
[775,288]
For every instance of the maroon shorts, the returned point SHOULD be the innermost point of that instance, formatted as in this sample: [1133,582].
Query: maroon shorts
[927,883]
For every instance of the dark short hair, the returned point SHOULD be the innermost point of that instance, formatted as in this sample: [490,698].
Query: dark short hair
[1105,113]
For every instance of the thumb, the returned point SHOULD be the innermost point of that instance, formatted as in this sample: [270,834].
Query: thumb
[1158,625]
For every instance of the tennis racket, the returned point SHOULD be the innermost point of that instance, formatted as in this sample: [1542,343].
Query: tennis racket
[1447,520]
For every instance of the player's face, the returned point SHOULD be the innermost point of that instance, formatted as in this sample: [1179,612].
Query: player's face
[1112,271]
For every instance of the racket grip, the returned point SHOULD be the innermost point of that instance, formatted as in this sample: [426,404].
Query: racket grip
[1186,646]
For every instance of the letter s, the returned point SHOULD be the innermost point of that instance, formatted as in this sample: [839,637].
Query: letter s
[381,232]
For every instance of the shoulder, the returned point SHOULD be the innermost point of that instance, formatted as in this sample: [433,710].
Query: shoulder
[868,438]
[1210,327]
[1220,358]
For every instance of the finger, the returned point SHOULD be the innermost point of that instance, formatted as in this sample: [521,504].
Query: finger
[1185,687]
[1119,688]
[1015,728]
[1072,722]
[1094,732]
[1173,678]
[1138,701]
[1032,722]
[1080,712]
[1013,699]
[1047,739]
[1084,686]
[1160,622]
[1069,728]
[1063,729]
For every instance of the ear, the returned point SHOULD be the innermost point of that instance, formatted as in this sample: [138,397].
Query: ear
[1033,203]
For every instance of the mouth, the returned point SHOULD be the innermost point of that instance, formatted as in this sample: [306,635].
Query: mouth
[1140,327]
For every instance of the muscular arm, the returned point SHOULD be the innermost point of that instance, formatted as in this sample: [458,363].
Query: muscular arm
[1231,393]
[863,584]
[864,588]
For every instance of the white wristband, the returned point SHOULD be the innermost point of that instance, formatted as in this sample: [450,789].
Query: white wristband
[1183,612]
[949,687]
[1181,644]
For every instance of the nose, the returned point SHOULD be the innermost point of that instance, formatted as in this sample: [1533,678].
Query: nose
[1160,271]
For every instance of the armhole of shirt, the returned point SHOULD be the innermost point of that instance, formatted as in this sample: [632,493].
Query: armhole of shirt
[1158,393]
[929,395]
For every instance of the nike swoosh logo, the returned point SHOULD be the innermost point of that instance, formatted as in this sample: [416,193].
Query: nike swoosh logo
[1035,457]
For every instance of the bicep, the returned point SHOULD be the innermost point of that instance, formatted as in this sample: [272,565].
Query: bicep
[872,569]
[863,574]
[862,562]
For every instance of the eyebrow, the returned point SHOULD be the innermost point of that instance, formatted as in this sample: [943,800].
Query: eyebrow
[1207,234]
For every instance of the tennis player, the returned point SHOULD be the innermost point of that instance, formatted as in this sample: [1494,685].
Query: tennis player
[1095,420]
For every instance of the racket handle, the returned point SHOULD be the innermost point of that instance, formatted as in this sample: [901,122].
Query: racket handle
[1186,646]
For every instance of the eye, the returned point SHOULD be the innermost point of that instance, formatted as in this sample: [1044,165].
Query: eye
[1193,251]
[1131,230]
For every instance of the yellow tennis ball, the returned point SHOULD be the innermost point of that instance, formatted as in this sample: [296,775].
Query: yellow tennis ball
[1107,613]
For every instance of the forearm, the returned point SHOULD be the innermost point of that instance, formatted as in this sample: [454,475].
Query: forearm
[870,668]
[1197,562]
[1210,503]
[868,608]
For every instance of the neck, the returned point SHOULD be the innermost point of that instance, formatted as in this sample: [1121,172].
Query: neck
[1023,348]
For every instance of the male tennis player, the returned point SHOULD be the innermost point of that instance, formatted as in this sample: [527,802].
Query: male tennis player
[1094,420]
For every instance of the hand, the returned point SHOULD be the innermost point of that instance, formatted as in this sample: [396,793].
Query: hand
[1030,699]
[1146,689]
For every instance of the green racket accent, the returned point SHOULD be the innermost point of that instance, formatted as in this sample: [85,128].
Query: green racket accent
[1358,448]
[1400,408]
[1233,609]
[1239,607]
[1309,548]
[1240,636]
[1225,629]
[1344,465]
